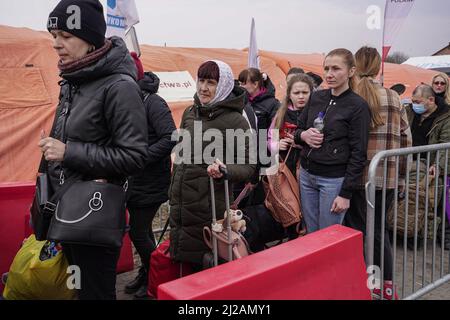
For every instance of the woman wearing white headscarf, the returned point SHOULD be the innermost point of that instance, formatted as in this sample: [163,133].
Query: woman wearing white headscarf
[218,106]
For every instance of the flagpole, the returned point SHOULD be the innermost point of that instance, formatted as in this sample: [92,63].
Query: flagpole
[383,57]
[253,61]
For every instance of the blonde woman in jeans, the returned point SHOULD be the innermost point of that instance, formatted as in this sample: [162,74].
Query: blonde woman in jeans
[333,159]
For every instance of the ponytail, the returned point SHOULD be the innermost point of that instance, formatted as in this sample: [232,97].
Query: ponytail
[368,62]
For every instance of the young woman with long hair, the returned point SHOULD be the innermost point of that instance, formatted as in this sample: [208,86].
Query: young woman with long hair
[389,129]
[334,154]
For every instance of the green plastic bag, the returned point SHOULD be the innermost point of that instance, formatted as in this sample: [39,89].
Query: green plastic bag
[38,272]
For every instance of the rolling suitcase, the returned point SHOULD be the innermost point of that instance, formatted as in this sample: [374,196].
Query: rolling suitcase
[225,243]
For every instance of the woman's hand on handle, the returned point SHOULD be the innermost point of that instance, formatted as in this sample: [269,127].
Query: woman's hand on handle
[214,169]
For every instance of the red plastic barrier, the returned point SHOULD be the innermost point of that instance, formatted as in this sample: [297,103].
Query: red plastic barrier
[327,264]
[15,201]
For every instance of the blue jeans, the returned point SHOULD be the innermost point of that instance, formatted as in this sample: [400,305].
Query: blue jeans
[317,196]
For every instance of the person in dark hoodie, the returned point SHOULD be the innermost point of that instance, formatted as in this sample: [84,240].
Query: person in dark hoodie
[250,115]
[261,95]
[218,106]
[99,131]
[334,154]
[149,189]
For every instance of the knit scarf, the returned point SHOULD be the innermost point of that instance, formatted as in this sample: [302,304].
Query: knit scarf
[85,61]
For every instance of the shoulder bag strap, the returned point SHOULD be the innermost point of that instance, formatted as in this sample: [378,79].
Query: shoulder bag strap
[163,232]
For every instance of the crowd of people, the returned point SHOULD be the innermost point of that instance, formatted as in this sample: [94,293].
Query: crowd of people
[111,125]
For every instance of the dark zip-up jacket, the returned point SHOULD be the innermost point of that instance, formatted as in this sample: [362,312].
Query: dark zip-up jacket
[150,186]
[344,150]
[101,119]
[266,105]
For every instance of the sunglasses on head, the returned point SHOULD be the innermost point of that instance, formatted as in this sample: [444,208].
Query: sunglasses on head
[439,83]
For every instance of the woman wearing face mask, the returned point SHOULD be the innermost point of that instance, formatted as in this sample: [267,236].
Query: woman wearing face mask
[334,153]
[218,105]
[389,129]
[99,132]
[441,87]
[299,89]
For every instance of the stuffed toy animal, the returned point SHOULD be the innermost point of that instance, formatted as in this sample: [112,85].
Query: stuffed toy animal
[237,223]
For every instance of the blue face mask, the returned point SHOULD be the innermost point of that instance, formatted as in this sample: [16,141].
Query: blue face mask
[419,108]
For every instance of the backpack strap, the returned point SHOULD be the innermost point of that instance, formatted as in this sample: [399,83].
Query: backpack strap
[163,232]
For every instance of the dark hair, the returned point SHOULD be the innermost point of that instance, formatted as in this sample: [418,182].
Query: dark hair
[424,91]
[252,74]
[295,70]
[209,70]
[316,78]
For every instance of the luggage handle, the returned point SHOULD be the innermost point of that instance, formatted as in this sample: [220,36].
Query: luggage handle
[224,171]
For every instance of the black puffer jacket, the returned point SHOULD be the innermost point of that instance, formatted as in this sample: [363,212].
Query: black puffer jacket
[151,186]
[266,105]
[105,128]
[190,199]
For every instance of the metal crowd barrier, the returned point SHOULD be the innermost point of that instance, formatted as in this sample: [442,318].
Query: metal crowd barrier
[414,268]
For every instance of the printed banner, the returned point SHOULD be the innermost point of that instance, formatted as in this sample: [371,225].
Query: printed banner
[176,86]
[121,15]
[395,13]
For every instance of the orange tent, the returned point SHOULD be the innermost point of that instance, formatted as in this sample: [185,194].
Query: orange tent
[29,87]
[176,59]
[28,96]
[393,73]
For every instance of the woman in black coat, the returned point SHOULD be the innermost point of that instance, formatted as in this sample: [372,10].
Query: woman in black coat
[99,131]
[149,188]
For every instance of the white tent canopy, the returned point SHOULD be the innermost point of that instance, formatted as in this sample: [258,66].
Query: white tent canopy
[432,62]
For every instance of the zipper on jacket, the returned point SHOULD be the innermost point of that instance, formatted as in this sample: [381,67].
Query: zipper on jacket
[436,122]
[330,104]
[196,113]
[65,113]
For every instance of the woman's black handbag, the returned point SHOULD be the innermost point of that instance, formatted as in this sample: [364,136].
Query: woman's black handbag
[90,213]
[39,211]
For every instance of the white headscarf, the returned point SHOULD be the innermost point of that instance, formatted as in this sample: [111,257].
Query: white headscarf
[225,84]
